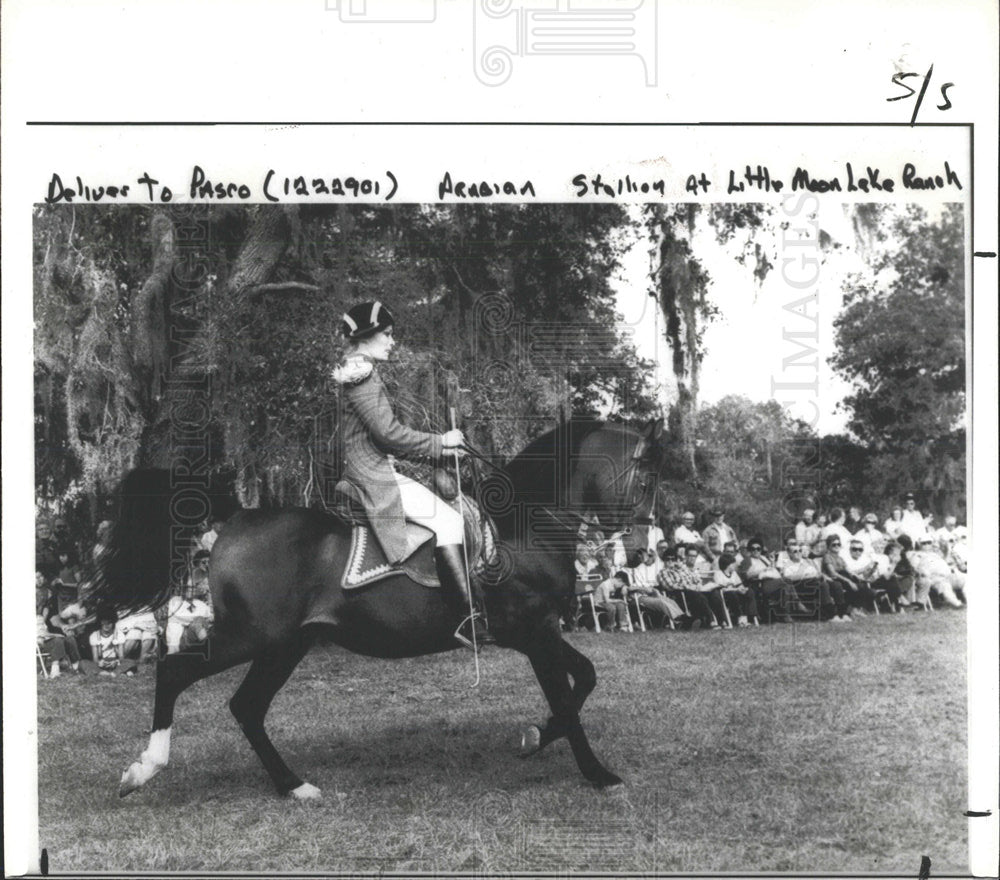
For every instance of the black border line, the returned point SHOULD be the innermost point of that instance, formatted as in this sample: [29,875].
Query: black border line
[468,124]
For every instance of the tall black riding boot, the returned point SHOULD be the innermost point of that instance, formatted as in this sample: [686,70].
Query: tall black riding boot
[455,584]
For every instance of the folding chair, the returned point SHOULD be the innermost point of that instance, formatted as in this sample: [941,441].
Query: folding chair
[587,599]
[638,612]
[42,656]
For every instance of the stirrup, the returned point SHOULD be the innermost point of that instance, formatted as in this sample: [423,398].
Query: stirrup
[482,638]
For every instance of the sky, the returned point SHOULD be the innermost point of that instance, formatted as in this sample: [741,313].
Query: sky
[754,347]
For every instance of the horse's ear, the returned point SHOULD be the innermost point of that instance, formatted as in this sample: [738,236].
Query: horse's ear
[654,430]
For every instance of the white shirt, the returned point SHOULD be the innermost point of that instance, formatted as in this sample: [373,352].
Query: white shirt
[874,540]
[913,524]
[655,534]
[841,532]
[684,535]
[645,575]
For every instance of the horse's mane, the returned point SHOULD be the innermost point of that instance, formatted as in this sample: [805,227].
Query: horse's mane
[533,472]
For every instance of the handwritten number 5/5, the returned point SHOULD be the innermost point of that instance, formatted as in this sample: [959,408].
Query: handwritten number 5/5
[897,79]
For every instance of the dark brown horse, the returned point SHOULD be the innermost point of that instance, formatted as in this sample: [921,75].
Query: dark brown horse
[270,567]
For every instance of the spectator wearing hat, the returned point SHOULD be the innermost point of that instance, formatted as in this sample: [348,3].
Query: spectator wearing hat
[718,532]
[874,541]
[913,523]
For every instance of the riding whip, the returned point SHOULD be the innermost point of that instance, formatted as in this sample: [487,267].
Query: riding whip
[465,549]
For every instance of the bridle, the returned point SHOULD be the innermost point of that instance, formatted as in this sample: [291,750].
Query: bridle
[631,475]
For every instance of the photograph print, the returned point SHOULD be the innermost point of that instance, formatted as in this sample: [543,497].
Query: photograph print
[493,538]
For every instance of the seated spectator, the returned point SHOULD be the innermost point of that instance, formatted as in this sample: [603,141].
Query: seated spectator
[807,530]
[685,586]
[698,566]
[585,563]
[872,539]
[105,646]
[913,523]
[843,588]
[837,529]
[754,565]
[950,534]
[644,574]
[208,539]
[892,528]
[644,587]
[803,582]
[137,633]
[686,536]
[861,567]
[189,617]
[59,647]
[885,574]
[46,558]
[104,529]
[933,575]
[854,522]
[740,599]
[733,549]
[718,532]
[607,597]
[68,574]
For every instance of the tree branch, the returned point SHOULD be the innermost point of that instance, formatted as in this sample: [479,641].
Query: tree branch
[276,286]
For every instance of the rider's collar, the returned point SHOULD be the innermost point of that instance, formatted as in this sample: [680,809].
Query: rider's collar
[355,368]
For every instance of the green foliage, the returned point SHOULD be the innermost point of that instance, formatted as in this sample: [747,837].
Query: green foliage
[901,344]
[512,301]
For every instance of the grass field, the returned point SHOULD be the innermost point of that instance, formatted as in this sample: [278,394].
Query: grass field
[788,748]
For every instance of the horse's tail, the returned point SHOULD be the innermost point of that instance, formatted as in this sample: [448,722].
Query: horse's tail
[146,554]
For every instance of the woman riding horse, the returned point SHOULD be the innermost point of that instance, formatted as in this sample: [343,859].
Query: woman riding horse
[372,435]
[277,582]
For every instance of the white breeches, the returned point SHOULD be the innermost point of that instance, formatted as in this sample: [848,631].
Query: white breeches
[422,506]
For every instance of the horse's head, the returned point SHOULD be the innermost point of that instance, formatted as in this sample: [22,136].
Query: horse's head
[616,478]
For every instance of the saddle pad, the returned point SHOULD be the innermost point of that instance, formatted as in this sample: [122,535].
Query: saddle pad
[367,562]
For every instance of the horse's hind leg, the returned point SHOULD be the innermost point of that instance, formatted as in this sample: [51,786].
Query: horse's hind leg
[174,674]
[267,675]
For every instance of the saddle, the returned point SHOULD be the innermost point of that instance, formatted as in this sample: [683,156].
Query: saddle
[367,563]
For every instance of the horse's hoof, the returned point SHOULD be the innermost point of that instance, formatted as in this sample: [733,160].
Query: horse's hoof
[130,781]
[531,741]
[306,792]
[608,780]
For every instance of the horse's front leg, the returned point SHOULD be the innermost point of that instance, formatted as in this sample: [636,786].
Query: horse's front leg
[581,670]
[549,661]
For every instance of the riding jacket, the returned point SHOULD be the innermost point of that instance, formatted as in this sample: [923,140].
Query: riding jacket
[371,433]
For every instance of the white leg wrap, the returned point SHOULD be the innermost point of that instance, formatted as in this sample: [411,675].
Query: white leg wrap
[306,792]
[151,761]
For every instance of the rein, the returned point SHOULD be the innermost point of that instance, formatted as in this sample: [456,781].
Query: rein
[630,471]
